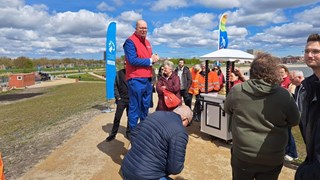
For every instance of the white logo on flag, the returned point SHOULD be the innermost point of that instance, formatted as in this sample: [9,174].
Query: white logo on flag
[111,47]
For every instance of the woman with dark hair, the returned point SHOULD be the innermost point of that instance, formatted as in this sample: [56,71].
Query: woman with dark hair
[160,72]
[284,73]
[261,112]
[236,78]
[217,69]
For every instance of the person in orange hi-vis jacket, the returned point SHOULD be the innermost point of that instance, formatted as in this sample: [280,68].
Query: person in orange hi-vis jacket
[1,169]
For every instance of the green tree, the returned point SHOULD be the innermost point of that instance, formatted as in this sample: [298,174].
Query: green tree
[23,63]
[6,61]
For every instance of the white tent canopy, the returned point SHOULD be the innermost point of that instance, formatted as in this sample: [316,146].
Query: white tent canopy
[227,55]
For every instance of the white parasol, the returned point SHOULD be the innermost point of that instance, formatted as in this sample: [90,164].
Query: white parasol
[227,55]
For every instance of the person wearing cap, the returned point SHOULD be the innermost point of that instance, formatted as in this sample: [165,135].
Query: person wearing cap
[158,145]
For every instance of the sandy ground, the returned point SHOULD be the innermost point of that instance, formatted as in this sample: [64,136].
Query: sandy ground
[55,82]
[86,155]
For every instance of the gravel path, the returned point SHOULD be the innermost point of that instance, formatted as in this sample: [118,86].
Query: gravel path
[87,156]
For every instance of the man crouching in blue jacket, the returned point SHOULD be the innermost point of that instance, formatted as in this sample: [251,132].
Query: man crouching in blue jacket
[158,145]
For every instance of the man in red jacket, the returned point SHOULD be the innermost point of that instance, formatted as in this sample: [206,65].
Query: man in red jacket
[139,61]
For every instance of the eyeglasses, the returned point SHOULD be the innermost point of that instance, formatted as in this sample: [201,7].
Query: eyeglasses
[312,51]
[143,28]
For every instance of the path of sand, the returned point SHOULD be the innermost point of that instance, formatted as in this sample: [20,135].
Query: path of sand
[87,156]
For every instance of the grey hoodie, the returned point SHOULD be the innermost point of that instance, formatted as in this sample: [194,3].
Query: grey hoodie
[260,116]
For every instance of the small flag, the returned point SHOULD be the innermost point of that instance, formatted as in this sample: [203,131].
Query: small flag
[110,60]
[223,36]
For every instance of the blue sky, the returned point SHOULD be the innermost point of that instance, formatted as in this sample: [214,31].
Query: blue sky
[177,28]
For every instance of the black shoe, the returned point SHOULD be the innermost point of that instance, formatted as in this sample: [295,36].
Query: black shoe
[195,119]
[128,136]
[110,138]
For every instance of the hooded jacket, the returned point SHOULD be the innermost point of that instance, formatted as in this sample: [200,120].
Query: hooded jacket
[260,116]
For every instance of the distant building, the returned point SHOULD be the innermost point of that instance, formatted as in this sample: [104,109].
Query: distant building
[21,80]
[254,51]
[2,67]
[292,59]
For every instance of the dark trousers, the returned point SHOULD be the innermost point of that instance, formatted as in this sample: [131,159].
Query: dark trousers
[197,108]
[121,105]
[186,97]
[242,170]
[291,148]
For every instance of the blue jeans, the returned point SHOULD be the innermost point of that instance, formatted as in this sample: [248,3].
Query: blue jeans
[291,148]
[140,92]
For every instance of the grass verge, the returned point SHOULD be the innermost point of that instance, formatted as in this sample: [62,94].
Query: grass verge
[85,77]
[25,123]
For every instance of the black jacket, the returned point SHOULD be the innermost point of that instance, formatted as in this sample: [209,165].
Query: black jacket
[186,77]
[121,86]
[309,104]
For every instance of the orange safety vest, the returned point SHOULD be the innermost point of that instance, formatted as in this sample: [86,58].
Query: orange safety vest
[1,169]
[194,89]
[213,82]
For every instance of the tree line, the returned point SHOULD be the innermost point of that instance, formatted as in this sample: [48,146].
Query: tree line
[23,62]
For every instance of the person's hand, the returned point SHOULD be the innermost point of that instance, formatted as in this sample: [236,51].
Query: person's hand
[155,58]
[117,100]
[164,87]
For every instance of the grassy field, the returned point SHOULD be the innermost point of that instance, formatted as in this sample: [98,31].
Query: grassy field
[55,104]
[85,77]
[301,148]
[24,123]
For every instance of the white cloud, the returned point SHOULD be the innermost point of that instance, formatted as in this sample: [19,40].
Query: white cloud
[3,51]
[105,7]
[28,17]
[125,30]
[203,20]
[117,3]
[219,3]
[237,32]
[165,4]
[83,22]
[185,31]
[261,6]
[311,16]
[291,30]
[130,16]
[18,34]
[11,3]
[292,35]
[240,18]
